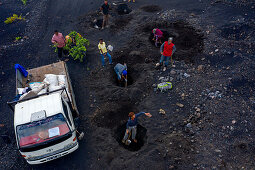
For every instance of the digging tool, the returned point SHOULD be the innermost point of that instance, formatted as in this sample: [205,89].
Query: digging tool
[128,141]
[126,82]
[172,60]
[126,78]
[81,135]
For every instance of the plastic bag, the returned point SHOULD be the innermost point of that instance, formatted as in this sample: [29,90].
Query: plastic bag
[52,79]
[34,85]
[164,86]
[110,48]
[62,81]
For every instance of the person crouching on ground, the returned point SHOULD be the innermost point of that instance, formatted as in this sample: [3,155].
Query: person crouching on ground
[121,71]
[158,35]
[59,40]
[132,125]
[105,9]
[104,52]
[167,50]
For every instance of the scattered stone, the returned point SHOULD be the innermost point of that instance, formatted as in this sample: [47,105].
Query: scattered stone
[171,167]
[172,72]
[198,109]
[3,73]
[186,75]
[179,104]
[183,96]
[200,67]
[1,125]
[233,121]
[135,53]
[217,150]
[216,50]
[161,111]
[189,125]
[163,79]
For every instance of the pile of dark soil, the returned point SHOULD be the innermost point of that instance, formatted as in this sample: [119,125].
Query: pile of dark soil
[151,8]
[113,114]
[238,32]
[187,39]
[120,22]
[123,9]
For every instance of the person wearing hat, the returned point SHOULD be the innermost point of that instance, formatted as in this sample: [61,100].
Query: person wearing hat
[121,71]
[131,126]
[158,35]
[167,50]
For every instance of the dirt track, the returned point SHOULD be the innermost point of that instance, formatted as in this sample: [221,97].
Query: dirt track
[215,46]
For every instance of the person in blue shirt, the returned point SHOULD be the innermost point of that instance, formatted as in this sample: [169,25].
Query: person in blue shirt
[132,124]
[121,71]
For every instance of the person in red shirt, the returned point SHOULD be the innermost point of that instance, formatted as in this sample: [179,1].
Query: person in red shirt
[167,50]
[59,40]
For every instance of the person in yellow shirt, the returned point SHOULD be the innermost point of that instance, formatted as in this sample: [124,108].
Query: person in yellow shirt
[130,0]
[104,52]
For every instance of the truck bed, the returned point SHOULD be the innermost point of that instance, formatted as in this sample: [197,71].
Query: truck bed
[37,75]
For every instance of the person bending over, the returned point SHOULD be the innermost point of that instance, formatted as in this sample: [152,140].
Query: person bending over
[121,71]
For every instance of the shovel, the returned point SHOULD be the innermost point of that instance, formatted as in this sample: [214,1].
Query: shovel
[126,81]
[128,141]
[81,135]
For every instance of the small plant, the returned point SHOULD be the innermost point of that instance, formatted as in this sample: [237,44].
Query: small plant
[18,38]
[24,2]
[76,46]
[13,18]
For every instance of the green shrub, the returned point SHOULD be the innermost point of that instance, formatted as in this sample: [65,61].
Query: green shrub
[76,46]
[18,38]
[24,2]
[13,18]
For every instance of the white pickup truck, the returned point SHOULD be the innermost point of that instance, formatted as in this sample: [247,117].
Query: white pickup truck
[44,124]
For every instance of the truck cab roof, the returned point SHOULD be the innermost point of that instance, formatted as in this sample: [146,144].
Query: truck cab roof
[48,104]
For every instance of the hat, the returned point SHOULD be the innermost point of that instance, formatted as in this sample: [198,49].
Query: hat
[124,72]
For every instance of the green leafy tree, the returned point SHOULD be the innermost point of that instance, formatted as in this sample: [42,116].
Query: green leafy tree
[76,46]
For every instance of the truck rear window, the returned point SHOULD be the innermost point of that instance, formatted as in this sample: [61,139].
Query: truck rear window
[42,131]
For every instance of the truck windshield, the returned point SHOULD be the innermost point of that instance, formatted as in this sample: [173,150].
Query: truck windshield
[42,132]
